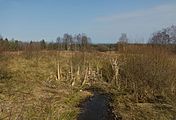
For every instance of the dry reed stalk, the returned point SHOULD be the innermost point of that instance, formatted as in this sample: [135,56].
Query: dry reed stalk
[115,67]
[58,72]
[71,71]
[85,77]
[78,73]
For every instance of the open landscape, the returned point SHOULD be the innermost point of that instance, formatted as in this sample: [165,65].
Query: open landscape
[73,77]
[136,81]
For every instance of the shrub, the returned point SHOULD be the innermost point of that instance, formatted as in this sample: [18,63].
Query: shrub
[4,72]
[149,76]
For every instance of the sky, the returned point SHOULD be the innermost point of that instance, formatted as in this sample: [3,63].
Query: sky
[102,20]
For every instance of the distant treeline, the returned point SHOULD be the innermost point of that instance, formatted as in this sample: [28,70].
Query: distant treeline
[81,42]
[68,42]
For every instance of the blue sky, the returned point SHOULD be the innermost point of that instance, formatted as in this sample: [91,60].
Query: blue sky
[102,20]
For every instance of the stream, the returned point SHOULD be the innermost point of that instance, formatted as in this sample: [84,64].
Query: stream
[96,108]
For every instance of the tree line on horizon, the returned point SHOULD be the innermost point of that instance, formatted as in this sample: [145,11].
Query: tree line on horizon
[68,42]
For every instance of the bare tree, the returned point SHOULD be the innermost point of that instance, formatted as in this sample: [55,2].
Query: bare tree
[85,42]
[1,43]
[67,41]
[59,43]
[172,33]
[123,40]
[79,39]
[160,37]
[165,36]
[1,38]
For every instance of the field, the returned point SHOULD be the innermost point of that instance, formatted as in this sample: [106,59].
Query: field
[50,85]
[87,60]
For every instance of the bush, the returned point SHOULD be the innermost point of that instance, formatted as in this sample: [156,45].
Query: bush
[150,76]
[4,72]
[107,72]
[102,48]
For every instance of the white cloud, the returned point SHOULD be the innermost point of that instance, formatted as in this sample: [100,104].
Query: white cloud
[158,10]
[137,24]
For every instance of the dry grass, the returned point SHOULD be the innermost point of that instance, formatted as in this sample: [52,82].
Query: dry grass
[147,86]
[33,92]
[143,89]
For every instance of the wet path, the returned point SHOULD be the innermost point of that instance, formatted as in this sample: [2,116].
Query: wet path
[96,108]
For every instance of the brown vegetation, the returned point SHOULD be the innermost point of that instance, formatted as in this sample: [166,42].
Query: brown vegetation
[47,81]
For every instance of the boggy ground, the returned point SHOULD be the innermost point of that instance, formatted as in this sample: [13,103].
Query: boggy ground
[96,107]
[145,88]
